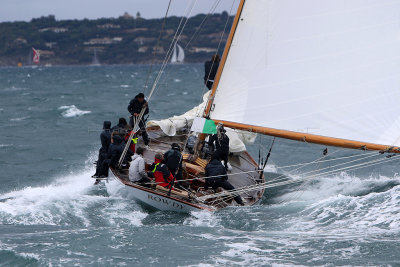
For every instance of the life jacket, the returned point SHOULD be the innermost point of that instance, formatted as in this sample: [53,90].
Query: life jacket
[134,141]
[162,174]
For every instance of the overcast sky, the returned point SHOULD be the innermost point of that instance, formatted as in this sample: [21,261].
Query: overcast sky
[17,10]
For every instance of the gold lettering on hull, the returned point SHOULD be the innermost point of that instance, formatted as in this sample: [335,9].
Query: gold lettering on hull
[167,202]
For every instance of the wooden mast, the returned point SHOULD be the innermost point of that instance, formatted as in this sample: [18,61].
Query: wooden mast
[223,59]
[310,138]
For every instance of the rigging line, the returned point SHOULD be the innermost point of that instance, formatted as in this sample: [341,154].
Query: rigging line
[140,117]
[216,3]
[195,35]
[284,177]
[269,185]
[344,163]
[302,166]
[357,166]
[154,51]
[208,177]
[173,43]
[326,160]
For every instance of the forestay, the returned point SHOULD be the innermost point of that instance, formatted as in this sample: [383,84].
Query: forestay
[328,68]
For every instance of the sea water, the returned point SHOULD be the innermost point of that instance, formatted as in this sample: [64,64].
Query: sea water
[51,214]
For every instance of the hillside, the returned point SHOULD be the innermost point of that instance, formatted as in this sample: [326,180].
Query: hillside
[122,40]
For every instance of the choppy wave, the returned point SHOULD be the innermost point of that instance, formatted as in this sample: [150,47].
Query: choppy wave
[69,200]
[20,118]
[72,111]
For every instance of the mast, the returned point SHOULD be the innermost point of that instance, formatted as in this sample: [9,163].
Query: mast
[224,57]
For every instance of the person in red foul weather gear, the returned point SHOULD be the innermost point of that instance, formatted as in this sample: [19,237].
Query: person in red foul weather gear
[132,145]
[161,173]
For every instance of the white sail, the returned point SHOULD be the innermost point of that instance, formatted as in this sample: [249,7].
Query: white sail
[174,57]
[238,139]
[181,54]
[329,68]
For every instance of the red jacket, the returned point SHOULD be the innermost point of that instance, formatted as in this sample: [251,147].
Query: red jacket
[162,174]
[132,145]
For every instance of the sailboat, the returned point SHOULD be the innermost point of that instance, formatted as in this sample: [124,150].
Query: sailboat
[178,54]
[317,72]
[95,61]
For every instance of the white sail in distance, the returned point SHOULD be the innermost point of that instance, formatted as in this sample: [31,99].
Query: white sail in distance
[178,54]
[173,57]
[181,54]
[329,68]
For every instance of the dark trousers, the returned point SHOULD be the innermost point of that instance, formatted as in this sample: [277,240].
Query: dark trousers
[223,155]
[227,186]
[100,159]
[142,126]
[104,167]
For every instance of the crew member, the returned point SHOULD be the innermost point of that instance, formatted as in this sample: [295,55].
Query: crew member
[121,128]
[210,71]
[113,155]
[173,159]
[135,107]
[105,139]
[216,177]
[137,171]
[220,141]
[132,145]
[161,173]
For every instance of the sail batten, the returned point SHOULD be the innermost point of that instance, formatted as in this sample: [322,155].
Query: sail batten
[327,68]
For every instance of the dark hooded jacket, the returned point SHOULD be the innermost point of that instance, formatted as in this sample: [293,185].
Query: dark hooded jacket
[136,107]
[105,136]
[221,144]
[215,168]
[115,150]
[210,70]
[173,159]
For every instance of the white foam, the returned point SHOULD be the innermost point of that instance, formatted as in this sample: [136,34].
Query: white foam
[124,85]
[20,118]
[177,80]
[346,205]
[5,145]
[72,111]
[202,218]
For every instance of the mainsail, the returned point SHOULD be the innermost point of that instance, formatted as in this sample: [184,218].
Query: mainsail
[325,70]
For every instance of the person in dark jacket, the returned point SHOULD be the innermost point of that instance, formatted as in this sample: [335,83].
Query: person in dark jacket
[135,108]
[173,159]
[121,128]
[113,155]
[218,177]
[220,142]
[160,172]
[105,139]
[210,71]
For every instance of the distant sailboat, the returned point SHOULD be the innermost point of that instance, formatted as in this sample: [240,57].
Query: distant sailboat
[95,61]
[178,55]
[36,56]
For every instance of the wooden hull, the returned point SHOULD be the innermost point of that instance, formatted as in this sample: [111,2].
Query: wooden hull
[152,198]
[244,173]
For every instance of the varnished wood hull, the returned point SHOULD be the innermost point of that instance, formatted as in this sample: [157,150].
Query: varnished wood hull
[243,174]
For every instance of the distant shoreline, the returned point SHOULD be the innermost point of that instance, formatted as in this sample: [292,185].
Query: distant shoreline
[110,41]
